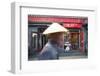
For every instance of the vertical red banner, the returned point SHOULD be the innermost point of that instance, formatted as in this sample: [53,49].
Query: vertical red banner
[82,41]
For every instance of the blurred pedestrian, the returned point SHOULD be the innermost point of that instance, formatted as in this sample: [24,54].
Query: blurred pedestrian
[55,45]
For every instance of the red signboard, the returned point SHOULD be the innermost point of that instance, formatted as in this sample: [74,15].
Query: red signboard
[54,19]
[72,25]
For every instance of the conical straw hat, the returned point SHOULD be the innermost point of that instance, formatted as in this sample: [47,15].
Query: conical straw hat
[54,28]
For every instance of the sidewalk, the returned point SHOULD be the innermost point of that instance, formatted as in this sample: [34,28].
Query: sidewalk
[73,53]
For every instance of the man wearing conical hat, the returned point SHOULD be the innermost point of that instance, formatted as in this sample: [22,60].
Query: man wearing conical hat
[55,45]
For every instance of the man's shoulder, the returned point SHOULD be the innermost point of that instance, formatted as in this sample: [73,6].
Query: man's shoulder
[46,53]
[48,46]
[47,49]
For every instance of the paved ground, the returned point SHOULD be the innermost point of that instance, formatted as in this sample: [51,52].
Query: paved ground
[73,57]
[67,55]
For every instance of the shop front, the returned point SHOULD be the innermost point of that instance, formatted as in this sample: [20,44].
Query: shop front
[74,41]
[76,36]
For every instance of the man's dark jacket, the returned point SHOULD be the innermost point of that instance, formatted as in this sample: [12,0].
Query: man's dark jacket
[50,51]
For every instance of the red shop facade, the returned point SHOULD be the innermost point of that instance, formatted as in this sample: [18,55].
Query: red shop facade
[40,23]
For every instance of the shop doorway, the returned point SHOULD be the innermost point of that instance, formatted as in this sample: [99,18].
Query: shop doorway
[75,40]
